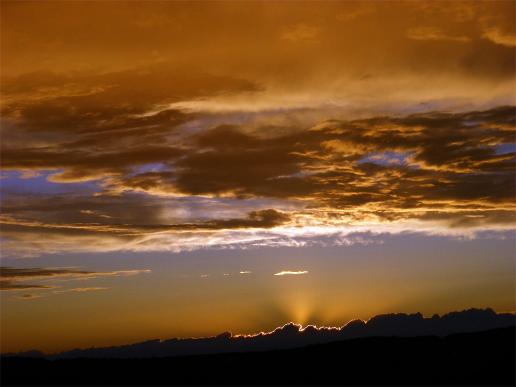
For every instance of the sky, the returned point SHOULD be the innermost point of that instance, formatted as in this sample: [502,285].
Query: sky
[180,169]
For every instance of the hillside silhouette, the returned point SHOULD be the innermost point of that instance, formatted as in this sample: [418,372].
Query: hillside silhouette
[293,335]
[479,358]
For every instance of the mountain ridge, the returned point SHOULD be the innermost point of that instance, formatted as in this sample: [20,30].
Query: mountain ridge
[293,335]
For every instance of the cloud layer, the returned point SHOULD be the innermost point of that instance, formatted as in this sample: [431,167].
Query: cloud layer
[442,170]
[311,134]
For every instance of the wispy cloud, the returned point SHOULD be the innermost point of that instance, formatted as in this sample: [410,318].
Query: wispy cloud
[80,290]
[289,272]
[434,33]
[300,32]
[29,296]
[496,35]
[19,279]
[11,285]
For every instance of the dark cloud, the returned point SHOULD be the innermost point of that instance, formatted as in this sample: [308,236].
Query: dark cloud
[256,219]
[11,272]
[79,165]
[12,278]
[92,125]
[28,296]
[111,131]
[263,219]
[108,223]
[10,285]
[448,157]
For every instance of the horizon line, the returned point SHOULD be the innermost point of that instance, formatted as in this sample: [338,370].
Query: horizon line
[230,335]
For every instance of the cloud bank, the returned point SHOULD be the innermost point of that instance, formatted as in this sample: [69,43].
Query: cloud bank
[442,172]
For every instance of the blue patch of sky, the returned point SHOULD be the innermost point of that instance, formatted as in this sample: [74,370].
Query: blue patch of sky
[13,182]
[502,149]
[386,158]
[471,123]
[146,168]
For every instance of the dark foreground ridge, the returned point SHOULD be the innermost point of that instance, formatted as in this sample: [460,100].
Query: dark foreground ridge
[480,358]
[294,336]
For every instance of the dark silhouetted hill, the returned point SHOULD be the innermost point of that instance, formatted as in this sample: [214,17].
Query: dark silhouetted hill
[293,335]
[484,358]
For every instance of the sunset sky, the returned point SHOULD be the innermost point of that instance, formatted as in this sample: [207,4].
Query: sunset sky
[177,169]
